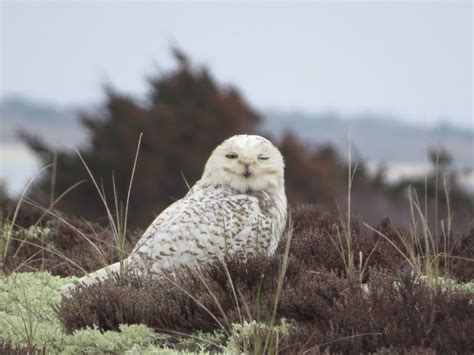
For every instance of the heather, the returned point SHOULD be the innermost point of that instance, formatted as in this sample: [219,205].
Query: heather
[327,308]
[382,307]
[65,246]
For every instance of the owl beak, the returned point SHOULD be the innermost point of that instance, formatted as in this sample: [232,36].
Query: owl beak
[247,173]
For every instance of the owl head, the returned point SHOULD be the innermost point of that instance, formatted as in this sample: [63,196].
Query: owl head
[246,163]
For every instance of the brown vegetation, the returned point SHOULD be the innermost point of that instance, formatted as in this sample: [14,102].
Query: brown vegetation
[63,247]
[7,348]
[329,309]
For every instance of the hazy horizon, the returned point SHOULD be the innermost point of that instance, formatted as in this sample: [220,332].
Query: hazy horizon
[268,112]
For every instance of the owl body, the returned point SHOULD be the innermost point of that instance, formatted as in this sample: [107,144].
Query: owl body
[210,221]
[238,207]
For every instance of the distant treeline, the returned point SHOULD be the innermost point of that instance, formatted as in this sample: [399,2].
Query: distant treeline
[183,116]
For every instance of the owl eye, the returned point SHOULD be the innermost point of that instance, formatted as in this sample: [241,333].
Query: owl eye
[231,155]
[263,157]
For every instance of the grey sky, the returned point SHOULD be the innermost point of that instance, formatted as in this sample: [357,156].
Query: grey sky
[412,60]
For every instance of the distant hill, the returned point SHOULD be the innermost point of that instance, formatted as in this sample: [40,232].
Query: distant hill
[59,126]
[375,138]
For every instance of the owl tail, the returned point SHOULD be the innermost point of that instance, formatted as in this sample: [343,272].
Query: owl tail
[91,278]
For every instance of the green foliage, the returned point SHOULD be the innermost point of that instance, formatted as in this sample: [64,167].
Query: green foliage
[449,285]
[28,317]
[247,337]
[93,340]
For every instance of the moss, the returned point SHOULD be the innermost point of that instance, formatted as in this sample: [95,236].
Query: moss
[29,322]
[250,337]
[93,340]
[27,316]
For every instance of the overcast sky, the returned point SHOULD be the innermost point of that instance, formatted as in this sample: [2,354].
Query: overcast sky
[412,60]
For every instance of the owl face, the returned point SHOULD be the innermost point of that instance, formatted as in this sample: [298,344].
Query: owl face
[246,163]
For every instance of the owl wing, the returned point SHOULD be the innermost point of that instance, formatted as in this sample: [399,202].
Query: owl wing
[198,227]
[195,228]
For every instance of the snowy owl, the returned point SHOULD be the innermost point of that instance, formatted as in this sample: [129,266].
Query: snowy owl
[238,207]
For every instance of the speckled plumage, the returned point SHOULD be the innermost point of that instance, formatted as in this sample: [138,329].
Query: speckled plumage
[238,207]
